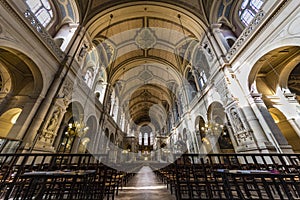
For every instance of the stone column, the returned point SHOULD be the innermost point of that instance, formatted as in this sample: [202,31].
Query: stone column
[220,39]
[270,127]
[215,36]
[34,130]
[247,130]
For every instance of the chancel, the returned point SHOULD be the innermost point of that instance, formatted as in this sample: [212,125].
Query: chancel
[161,99]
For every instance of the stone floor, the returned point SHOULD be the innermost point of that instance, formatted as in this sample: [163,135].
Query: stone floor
[145,185]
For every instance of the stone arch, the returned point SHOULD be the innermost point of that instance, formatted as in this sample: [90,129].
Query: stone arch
[286,128]
[216,113]
[191,83]
[199,127]
[268,83]
[68,23]
[111,137]
[201,66]
[22,86]
[92,125]
[276,70]
[68,140]
[26,66]
[7,121]
[213,127]
[228,35]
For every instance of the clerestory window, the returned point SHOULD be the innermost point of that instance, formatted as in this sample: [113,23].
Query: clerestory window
[248,10]
[42,10]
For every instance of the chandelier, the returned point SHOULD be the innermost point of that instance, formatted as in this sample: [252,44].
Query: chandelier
[77,129]
[212,128]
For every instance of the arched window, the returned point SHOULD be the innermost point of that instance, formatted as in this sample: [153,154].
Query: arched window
[202,79]
[248,10]
[146,139]
[192,84]
[151,138]
[42,10]
[140,139]
[89,78]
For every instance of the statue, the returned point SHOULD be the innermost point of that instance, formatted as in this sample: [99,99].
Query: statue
[236,120]
[49,133]
[54,121]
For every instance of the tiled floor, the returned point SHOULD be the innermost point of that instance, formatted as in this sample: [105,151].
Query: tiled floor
[145,185]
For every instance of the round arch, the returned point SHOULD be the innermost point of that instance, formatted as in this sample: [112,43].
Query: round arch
[7,121]
[92,125]
[285,127]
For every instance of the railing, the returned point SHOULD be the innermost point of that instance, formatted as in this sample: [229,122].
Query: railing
[42,32]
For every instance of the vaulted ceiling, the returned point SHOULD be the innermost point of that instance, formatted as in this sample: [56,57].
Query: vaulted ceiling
[148,43]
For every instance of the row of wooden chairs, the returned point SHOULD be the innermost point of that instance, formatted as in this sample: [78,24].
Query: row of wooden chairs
[210,178]
[103,183]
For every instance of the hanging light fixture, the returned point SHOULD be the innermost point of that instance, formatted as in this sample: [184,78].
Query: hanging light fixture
[77,128]
[212,128]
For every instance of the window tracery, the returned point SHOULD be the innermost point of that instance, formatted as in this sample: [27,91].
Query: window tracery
[248,10]
[42,10]
[146,139]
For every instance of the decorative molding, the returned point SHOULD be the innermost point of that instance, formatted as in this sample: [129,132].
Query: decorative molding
[145,39]
[5,35]
[38,28]
[145,75]
[257,97]
[41,31]
[291,97]
[252,27]
[244,138]
[223,90]
[207,47]
[245,34]
[293,27]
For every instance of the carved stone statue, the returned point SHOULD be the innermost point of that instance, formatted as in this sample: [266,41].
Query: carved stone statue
[54,121]
[237,122]
[49,133]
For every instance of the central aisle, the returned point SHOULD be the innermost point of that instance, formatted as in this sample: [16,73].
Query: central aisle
[145,185]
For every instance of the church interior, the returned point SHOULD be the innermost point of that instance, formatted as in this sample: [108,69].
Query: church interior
[137,99]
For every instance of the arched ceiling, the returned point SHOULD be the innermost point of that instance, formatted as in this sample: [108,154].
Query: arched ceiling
[276,69]
[148,45]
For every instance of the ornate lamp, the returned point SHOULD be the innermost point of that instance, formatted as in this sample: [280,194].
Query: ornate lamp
[77,129]
[212,128]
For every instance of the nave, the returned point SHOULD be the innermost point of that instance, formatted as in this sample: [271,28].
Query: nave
[145,185]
